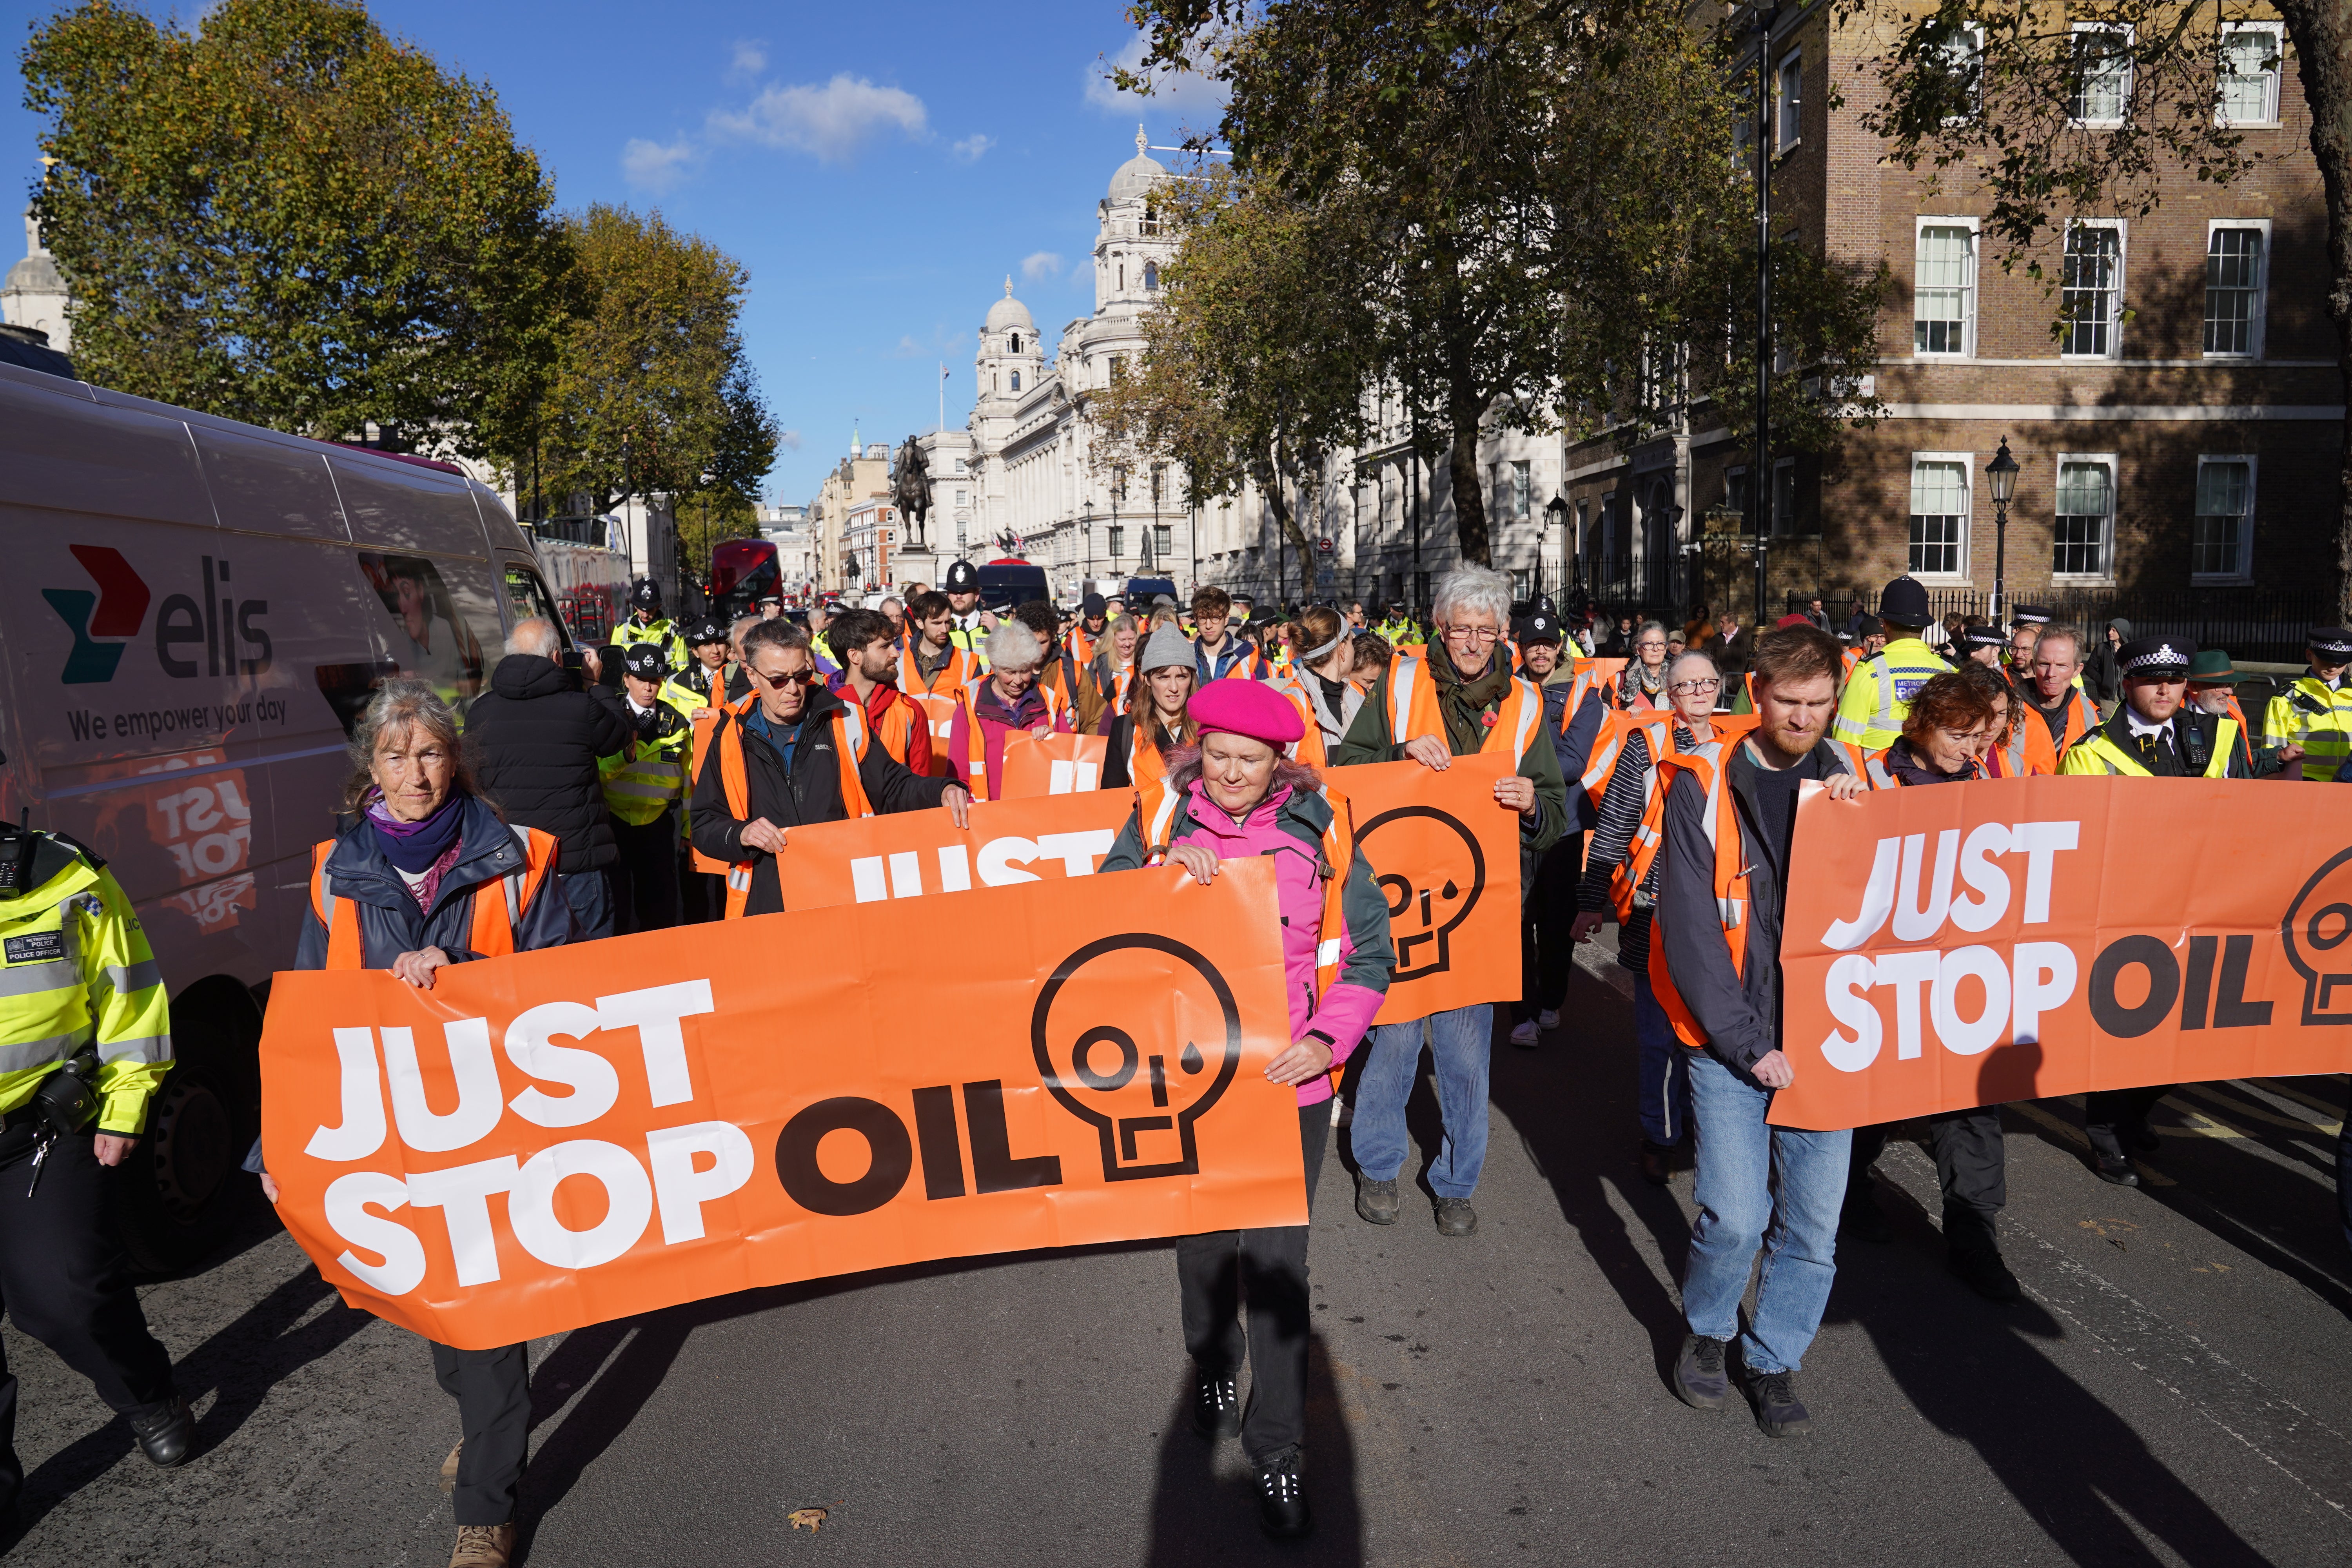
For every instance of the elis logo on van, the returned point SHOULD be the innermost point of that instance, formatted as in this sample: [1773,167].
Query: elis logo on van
[102,622]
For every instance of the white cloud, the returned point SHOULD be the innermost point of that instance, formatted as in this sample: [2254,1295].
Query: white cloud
[750,58]
[830,122]
[656,166]
[907,349]
[1180,91]
[970,149]
[790,440]
[1040,264]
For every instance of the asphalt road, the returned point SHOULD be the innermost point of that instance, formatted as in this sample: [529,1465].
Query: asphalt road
[2175,1389]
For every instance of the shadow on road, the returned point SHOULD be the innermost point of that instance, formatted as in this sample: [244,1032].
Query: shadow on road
[1198,1516]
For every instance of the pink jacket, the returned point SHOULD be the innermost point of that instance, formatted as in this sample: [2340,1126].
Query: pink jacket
[1341,1014]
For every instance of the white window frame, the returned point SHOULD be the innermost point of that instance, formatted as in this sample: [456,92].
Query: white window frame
[1519,476]
[1792,63]
[2246,571]
[2105,575]
[2277,30]
[1969,320]
[2122,264]
[1968,461]
[2261,285]
[1975,35]
[2130,37]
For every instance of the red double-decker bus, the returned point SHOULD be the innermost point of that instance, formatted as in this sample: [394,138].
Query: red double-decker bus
[742,572]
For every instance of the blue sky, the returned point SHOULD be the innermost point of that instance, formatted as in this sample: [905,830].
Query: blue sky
[878,167]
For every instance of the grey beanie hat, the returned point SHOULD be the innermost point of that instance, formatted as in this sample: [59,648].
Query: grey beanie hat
[1168,645]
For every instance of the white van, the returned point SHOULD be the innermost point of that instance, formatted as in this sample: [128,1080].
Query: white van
[192,613]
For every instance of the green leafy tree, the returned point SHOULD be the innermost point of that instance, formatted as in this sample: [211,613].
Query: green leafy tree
[1537,205]
[1998,89]
[284,216]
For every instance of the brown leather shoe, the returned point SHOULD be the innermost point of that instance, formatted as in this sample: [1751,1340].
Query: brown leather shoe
[449,1468]
[483,1546]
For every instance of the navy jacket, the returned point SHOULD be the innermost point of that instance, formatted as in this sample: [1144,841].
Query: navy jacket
[392,924]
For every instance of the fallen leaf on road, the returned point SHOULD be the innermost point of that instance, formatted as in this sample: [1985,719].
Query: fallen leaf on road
[811,1516]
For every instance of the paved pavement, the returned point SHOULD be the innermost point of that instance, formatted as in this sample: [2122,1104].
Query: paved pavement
[2175,1390]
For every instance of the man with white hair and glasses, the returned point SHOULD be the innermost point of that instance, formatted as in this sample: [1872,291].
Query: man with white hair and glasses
[1464,700]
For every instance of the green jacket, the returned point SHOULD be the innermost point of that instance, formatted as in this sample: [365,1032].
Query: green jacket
[1368,741]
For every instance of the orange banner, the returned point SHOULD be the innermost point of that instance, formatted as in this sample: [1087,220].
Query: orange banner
[1446,855]
[570,1136]
[2016,939]
[1052,765]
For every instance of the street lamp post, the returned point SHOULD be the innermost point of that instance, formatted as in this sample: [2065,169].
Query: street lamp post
[2000,474]
[1086,541]
[1555,516]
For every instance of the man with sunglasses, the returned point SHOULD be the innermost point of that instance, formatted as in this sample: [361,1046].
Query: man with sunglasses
[797,757]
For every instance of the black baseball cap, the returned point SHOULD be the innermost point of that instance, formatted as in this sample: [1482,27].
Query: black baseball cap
[1537,627]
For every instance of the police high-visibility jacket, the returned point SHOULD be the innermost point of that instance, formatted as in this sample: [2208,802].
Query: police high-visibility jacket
[937,696]
[966,633]
[1878,694]
[662,633]
[849,743]
[495,899]
[2319,717]
[2111,751]
[645,778]
[78,972]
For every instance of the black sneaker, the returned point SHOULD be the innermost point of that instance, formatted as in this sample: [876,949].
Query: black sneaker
[1282,1511]
[1216,1403]
[1377,1202]
[1700,1380]
[1456,1217]
[166,1432]
[2114,1168]
[1655,1169]
[1778,1412]
[1981,1269]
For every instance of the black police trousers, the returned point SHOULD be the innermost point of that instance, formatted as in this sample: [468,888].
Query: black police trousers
[67,1283]
[1546,915]
[1214,1272]
[2113,1117]
[645,878]
[492,1389]
[1971,1166]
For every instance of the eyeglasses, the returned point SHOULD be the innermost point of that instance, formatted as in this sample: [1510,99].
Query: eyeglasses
[1651,646]
[1472,633]
[794,678]
[1693,687]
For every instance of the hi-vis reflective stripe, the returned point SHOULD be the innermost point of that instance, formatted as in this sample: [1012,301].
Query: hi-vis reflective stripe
[1327,951]
[1733,912]
[32,979]
[1403,671]
[1530,714]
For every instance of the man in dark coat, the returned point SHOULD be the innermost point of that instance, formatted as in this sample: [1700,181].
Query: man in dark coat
[792,772]
[534,737]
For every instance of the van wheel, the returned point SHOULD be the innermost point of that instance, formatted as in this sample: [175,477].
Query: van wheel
[179,1193]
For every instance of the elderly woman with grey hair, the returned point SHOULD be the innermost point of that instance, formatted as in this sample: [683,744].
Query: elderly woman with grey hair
[1007,700]
[1463,700]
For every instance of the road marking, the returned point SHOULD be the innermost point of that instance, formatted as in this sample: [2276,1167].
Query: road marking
[2177,1360]
[2257,1113]
[2074,1135]
[1600,962]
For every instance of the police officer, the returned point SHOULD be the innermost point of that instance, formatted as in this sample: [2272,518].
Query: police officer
[965,629]
[1878,696]
[2154,735]
[646,625]
[2315,712]
[1984,645]
[705,677]
[644,783]
[85,1036]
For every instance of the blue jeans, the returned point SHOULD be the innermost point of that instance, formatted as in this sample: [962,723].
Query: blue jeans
[1461,1043]
[1773,1188]
[1665,1065]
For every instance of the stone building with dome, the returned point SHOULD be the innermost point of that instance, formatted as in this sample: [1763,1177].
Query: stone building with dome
[35,293]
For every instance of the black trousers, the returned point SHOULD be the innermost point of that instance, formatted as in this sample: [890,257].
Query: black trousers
[492,1389]
[2113,1117]
[66,1282]
[1971,1166]
[1214,1272]
[645,881]
[1545,953]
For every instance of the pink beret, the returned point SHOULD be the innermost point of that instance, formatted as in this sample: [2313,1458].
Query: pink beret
[1249,708]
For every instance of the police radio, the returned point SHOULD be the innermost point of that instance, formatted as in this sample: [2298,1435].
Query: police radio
[18,844]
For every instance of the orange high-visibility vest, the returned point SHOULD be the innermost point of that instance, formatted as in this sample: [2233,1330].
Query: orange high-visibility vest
[898,726]
[1082,644]
[976,741]
[1729,730]
[1308,748]
[1155,814]
[704,728]
[936,696]
[1413,710]
[1706,762]
[499,904]
[849,738]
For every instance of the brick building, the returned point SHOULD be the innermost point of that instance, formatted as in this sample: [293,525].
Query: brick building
[2180,441]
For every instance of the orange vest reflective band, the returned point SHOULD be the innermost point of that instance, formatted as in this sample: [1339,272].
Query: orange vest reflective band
[1308,748]
[1870,767]
[936,696]
[977,738]
[2030,752]
[1706,762]
[499,904]
[2080,718]
[1413,710]
[1155,814]
[704,728]
[849,738]
[1609,745]
[1850,657]
[898,726]
[1121,679]
[1642,853]
[1082,647]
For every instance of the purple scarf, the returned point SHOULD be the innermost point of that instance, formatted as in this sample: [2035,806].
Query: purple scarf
[413,847]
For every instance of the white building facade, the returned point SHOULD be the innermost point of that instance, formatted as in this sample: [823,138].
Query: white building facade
[35,293]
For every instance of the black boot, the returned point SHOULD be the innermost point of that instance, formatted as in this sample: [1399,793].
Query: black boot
[1974,1255]
[1216,1403]
[1282,1510]
[167,1431]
